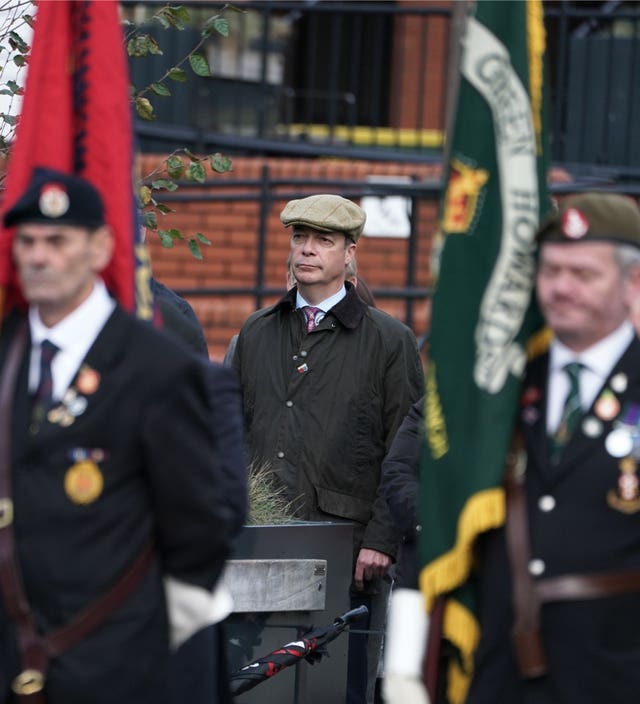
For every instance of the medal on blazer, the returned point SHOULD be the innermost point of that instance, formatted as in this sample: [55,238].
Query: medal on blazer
[88,380]
[626,496]
[83,482]
[607,406]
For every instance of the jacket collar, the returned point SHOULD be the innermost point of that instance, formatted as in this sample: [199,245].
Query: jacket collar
[349,311]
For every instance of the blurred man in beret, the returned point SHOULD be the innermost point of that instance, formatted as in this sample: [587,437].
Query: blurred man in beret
[560,584]
[327,381]
[117,497]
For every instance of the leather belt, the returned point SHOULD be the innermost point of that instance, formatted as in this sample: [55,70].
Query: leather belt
[528,594]
[573,587]
[36,649]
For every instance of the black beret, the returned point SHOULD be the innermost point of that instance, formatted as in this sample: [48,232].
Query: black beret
[594,216]
[54,197]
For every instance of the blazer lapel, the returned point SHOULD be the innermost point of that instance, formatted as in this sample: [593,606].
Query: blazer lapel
[533,416]
[88,387]
[582,443]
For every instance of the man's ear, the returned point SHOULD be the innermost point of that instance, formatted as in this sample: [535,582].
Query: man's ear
[102,242]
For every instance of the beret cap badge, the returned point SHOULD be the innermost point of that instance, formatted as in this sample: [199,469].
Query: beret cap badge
[54,201]
[574,224]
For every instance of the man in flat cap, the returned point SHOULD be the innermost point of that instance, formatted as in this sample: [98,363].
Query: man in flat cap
[560,583]
[327,381]
[113,484]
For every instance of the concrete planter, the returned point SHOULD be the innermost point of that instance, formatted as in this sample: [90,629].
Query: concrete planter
[286,579]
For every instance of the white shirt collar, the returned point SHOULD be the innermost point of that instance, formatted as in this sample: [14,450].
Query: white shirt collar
[85,322]
[325,305]
[599,358]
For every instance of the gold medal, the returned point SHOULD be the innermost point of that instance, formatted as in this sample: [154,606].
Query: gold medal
[626,497]
[83,482]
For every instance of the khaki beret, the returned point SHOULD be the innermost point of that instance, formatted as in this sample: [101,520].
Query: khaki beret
[594,216]
[326,213]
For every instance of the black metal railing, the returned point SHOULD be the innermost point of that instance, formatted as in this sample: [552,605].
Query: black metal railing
[300,78]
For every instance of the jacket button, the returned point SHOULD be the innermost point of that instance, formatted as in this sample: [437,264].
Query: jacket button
[546,503]
[288,404]
[295,357]
[303,353]
[280,455]
[537,567]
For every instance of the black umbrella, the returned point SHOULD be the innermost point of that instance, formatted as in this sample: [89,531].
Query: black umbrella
[308,646]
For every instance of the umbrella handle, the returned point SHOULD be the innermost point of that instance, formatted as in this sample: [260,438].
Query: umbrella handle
[349,616]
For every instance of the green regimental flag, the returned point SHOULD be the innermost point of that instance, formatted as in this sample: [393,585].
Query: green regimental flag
[482,318]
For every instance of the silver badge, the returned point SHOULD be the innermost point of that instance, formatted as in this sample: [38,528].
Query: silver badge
[619,383]
[591,427]
[619,443]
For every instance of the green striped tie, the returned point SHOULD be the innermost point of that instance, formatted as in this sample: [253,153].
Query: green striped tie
[571,411]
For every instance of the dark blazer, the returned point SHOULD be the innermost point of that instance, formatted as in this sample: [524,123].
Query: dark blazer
[148,432]
[592,646]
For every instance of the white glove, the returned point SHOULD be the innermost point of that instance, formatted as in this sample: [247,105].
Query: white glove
[404,648]
[192,608]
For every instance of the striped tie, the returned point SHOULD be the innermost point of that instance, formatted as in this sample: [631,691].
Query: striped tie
[310,313]
[571,411]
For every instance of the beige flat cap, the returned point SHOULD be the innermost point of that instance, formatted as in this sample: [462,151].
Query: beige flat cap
[326,213]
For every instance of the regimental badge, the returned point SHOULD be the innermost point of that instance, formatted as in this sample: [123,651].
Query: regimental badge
[626,497]
[461,198]
[54,201]
[574,224]
[606,406]
[83,482]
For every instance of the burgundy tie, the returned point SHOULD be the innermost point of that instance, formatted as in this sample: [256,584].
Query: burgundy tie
[44,393]
[310,313]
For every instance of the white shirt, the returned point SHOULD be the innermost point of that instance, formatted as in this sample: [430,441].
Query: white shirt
[324,306]
[73,336]
[598,361]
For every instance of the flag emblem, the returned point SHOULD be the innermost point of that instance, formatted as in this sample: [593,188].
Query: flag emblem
[462,196]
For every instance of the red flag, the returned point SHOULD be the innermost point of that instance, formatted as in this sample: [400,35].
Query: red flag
[76,118]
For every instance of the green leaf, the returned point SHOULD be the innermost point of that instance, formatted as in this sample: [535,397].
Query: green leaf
[177,74]
[9,119]
[150,220]
[142,45]
[196,172]
[18,43]
[176,16]
[14,88]
[218,24]
[175,234]
[202,238]
[164,209]
[164,183]
[144,193]
[175,167]
[199,65]
[144,109]
[220,163]
[165,239]
[28,19]
[194,248]
[20,60]
[160,89]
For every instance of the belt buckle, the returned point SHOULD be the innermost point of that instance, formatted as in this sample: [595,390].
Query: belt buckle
[6,512]
[28,682]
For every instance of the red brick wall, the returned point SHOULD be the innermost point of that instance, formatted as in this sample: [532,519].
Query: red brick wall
[233,230]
